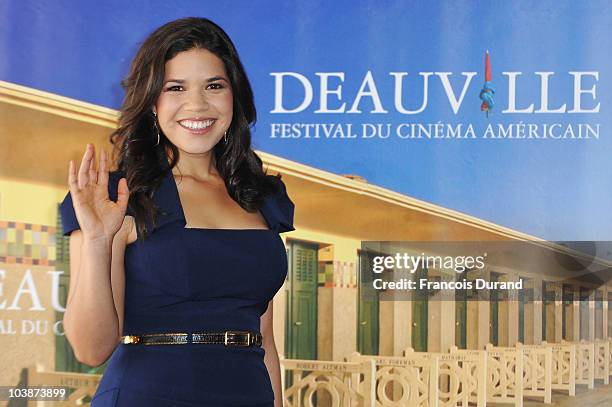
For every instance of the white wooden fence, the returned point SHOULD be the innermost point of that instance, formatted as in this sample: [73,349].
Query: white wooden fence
[505,375]
[461,377]
[84,384]
[563,367]
[602,360]
[585,363]
[346,383]
[537,371]
[454,379]
[409,381]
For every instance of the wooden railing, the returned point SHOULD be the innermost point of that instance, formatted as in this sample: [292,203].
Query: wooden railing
[345,383]
[563,367]
[84,385]
[537,371]
[585,363]
[462,377]
[505,375]
[602,360]
[409,381]
[477,377]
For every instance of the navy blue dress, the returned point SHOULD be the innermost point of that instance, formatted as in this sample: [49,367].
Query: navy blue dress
[194,280]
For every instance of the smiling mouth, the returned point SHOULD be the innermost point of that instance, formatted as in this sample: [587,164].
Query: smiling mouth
[197,126]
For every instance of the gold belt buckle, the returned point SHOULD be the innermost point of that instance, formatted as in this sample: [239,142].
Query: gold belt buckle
[227,342]
[130,339]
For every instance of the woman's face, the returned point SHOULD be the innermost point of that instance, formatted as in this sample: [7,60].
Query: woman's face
[195,105]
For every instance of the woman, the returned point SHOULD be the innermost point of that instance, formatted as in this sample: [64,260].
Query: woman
[176,256]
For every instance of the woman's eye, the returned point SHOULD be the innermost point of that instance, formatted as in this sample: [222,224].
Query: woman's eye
[215,86]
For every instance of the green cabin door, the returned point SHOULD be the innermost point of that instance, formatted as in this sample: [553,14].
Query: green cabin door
[567,317]
[548,311]
[461,298]
[584,312]
[420,314]
[521,323]
[610,314]
[494,312]
[301,328]
[599,334]
[367,307]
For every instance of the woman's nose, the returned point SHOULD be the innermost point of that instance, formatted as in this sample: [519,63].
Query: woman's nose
[198,100]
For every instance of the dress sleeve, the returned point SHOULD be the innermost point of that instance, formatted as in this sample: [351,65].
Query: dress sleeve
[279,209]
[287,208]
[69,220]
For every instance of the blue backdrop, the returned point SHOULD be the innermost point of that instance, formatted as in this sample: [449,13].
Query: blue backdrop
[556,189]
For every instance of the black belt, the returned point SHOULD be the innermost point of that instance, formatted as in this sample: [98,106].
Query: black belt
[227,338]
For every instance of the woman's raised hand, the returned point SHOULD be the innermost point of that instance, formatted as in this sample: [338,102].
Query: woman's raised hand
[99,218]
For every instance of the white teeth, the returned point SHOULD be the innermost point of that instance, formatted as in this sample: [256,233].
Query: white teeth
[196,125]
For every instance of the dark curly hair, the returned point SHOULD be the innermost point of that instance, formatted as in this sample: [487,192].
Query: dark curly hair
[142,161]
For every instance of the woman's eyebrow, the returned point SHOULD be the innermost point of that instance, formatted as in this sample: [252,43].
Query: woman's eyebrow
[217,78]
[214,78]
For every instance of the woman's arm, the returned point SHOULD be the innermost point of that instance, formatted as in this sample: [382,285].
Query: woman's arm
[271,356]
[92,320]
